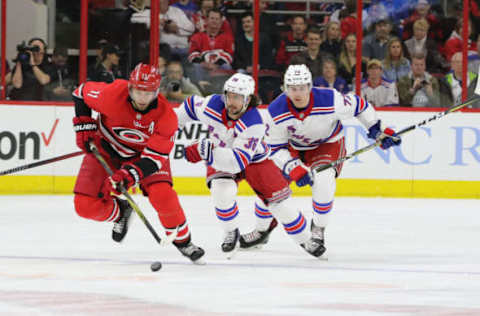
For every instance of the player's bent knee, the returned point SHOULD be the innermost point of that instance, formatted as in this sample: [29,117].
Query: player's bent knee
[224,192]
[87,206]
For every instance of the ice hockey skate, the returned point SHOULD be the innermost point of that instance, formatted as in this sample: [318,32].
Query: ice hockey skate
[318,235]
[120,227]
[230,243]
[191,251]
[314,247]
[256,238]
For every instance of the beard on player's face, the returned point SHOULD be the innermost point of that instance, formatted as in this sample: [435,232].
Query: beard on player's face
[142,98]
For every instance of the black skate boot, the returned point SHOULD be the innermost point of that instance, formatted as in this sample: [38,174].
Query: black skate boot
[256,237]
[120,227]
[191,251]
[231,240]
[313,247]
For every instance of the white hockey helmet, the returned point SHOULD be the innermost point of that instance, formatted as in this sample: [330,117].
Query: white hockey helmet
[297,75]
[240,84]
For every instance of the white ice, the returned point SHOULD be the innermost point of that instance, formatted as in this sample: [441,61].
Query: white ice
[385,257]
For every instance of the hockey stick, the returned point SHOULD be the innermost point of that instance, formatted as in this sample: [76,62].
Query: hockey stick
[403,131]
[162,242]
[40,163]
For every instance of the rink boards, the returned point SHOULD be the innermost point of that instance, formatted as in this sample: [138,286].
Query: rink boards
[441,159]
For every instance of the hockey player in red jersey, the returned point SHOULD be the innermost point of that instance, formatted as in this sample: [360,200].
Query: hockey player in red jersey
[134,132]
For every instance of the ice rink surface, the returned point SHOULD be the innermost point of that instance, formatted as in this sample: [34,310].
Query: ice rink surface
[385,257]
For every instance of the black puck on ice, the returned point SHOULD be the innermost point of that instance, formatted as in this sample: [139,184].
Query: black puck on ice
[157,265]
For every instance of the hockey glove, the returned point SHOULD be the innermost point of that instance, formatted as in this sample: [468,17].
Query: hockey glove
[387,136]
[295,171]
[201,150]
[127,176]
[86,129]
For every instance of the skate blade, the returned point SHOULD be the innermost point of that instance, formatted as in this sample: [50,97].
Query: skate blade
[324,256]
[231,254]
[199,262]
[253,248]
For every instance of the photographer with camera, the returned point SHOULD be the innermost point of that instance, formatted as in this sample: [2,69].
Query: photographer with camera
[62,82]
[32,71]
[419,88]
[175,86]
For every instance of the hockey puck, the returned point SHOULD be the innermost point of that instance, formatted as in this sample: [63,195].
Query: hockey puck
[157,265]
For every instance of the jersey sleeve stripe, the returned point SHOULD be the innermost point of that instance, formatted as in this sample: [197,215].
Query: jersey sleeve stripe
[189,108]
[241,159]
[78,93]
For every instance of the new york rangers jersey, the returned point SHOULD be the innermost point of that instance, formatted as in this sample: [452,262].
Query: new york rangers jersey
[320,122]
[238,143]
[130,133]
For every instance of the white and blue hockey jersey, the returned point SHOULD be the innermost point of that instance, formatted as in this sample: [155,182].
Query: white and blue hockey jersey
[319,123]
[237,142]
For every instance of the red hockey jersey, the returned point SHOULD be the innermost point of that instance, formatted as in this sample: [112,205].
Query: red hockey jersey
[130,133]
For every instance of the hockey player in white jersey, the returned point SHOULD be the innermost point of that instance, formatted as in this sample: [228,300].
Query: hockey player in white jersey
[306,132]
[235,151]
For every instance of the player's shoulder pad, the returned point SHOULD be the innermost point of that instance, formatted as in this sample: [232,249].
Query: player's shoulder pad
[323,97]
[216,102]
[167,122]
[278,106]
[249,118]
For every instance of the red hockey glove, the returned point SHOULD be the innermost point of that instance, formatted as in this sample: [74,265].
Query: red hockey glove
[86,129]
[201,150]
[126,177]
[295,171]
[387,137]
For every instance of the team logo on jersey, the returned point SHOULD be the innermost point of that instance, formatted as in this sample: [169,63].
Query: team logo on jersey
[130,135]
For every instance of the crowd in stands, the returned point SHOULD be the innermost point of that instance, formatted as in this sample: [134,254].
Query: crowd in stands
[411,50]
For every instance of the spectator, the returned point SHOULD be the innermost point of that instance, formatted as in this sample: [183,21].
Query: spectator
[348,23]
[395,64]
[175,86]
[62,84]
[332,43]
[244,43]
[32,71]
[454,80]
[454,43]
[374,44]
[312,56]
[176,28]
[107,71]
[419,43]
[189,7]
[422,10]
[293,44]
[474,58]
[375,12]
[348,59]
[377,90]
[200,17]
[210,50]
[329,78]
[419,88]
